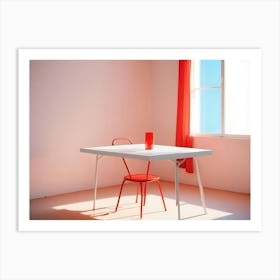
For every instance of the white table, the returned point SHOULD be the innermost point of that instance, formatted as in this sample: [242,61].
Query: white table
[159,152]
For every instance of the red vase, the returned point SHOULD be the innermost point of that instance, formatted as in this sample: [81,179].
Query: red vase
[149,140]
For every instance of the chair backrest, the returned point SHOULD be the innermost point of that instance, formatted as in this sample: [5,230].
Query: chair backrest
[122,141]
[126,141]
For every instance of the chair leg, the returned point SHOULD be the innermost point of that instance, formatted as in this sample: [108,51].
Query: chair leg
[161,195]
[119,196]
[137,194]
[141,206]
[145,193]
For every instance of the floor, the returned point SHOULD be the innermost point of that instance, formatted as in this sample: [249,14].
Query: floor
[221,205]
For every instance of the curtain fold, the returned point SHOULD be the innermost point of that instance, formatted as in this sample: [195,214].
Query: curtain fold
[183,137]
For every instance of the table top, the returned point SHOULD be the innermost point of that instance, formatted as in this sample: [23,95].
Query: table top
[138,151]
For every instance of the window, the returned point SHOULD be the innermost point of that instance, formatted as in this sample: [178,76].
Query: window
[220,97]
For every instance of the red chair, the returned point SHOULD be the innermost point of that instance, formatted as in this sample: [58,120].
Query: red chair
[141,178]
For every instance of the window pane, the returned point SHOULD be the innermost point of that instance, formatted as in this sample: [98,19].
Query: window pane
[210,111]
[237,97]
[210,73]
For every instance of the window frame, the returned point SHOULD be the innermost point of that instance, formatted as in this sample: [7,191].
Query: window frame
[222,87]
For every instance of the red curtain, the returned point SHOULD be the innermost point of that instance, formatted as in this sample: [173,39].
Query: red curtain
[183,138]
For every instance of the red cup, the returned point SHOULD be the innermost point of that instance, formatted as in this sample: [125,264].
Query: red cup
[149,140]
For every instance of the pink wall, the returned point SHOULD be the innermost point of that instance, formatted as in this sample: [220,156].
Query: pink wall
[229,166]
[77,104]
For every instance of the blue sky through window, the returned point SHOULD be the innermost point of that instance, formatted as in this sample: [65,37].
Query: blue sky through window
[210,96]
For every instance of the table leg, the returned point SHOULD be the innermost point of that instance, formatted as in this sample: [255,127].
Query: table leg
[177,185]
[95,179]
[202,197]
[177,188]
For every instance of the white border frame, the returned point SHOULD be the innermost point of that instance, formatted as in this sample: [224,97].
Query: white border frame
[24,57]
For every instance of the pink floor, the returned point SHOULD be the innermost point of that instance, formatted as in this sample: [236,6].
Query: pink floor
[222,205]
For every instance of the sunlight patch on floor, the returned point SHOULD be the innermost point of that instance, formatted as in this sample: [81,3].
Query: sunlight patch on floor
[130,210]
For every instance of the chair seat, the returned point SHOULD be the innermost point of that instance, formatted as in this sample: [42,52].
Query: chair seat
[141,177]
